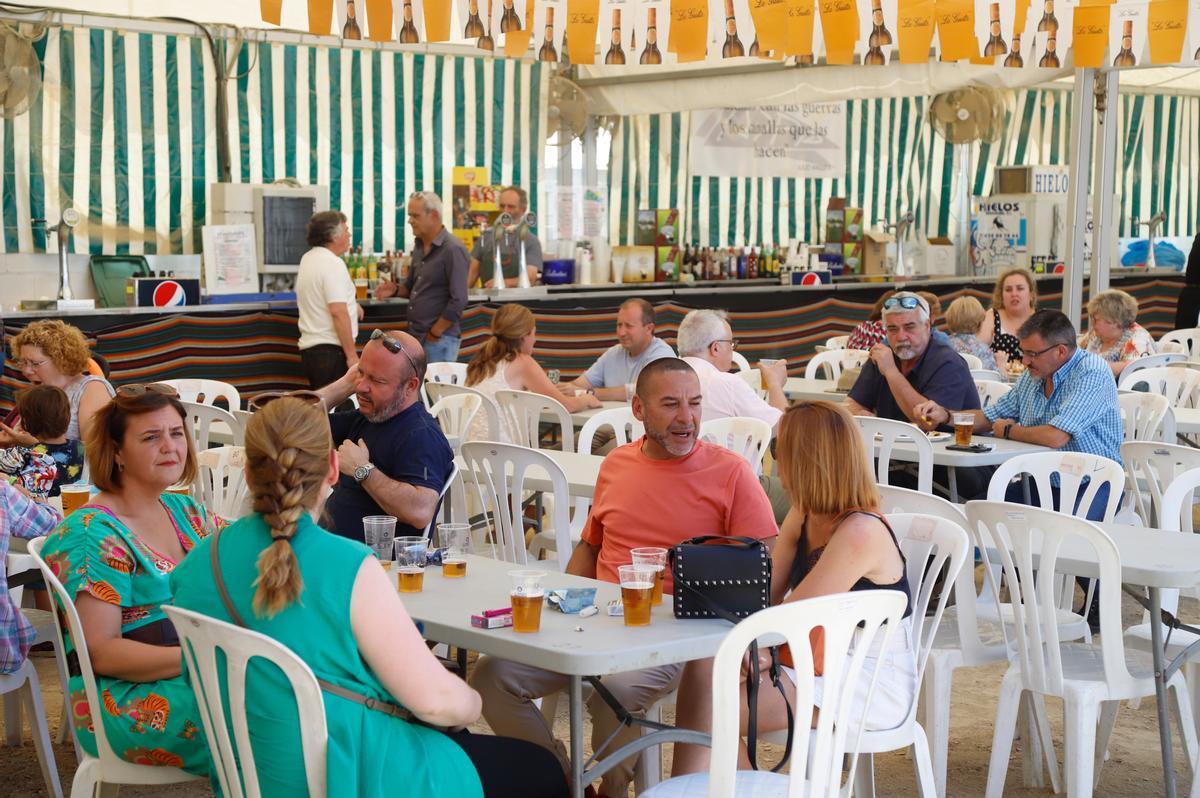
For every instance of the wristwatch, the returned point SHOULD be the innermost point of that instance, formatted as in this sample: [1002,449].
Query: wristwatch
[363,471]
[1008,430]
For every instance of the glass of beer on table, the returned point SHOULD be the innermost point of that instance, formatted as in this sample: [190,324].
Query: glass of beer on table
[526,595]
[637,591]
[964,426]
[75,496]
[360,288]
[657,557]
[455,542]
[378,533]
[410,563]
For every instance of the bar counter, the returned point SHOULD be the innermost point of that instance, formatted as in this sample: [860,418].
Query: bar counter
[253,345]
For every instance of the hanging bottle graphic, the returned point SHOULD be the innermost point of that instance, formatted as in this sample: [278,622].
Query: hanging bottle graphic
[1048,23]
[880,36]
[995,44]
[547,51]
[351,30]
[408,31]
[874,56]
[509,19]
[1014,56]
[485,41]
[754,46]
[733,45]
[1125,57]
[615,54]
[651,54]
[474,28]
[1050,59]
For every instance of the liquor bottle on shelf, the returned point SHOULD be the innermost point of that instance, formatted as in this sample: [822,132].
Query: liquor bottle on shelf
[1050,59]
[1014,55]
[1125,57]
[1048,23]
[752,265]
[880,36]
[995,45]
[486,42]
[651,54]
[615,54]
[351,30]
[547,51]
[408,31]
[509,19]
[474,28]
[733,45]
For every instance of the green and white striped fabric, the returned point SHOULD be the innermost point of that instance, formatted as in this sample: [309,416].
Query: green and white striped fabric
[896,163]
[125,128]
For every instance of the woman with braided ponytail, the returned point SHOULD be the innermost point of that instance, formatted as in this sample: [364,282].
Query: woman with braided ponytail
[327,599]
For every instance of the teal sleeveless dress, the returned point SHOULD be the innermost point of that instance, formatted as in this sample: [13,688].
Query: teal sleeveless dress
[370,753]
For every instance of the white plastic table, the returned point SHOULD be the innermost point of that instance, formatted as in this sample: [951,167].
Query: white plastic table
[812,390]
[604,646]
[581,471]
[1002,451]
[1187,419]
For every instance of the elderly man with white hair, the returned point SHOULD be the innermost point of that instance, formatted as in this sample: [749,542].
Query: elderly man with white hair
[436,285]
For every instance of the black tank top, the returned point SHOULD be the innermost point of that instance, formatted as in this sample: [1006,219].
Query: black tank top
[802,565]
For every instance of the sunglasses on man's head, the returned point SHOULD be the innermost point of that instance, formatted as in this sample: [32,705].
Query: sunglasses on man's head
[263,399]
[393,346]
[139,389]
[905,302]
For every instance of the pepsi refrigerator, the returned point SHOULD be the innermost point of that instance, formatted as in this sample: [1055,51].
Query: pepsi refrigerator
[162,292]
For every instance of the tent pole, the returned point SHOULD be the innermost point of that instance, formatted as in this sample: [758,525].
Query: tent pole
[1103,230]
[1082,127]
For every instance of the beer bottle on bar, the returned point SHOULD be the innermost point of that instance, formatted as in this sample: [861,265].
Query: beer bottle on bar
[1014,55]
[351,30]
[485,41]
[733,45]
[408,31]
[474,28]
[651,55]
[547,51]
[509,20]
[880,36]
[1050,59]
[615,54]
[1048,23]
[874,56]
[754,46]
[995,45]
[1125,57]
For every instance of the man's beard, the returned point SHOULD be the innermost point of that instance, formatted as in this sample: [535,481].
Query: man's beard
[389,410]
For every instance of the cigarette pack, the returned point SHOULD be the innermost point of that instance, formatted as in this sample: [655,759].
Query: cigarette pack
[493,619]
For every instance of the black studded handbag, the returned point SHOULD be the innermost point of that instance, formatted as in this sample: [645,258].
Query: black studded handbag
[719,576]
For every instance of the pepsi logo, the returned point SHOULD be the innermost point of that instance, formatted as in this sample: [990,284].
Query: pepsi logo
[169,294]
[810,278]
[1058,269]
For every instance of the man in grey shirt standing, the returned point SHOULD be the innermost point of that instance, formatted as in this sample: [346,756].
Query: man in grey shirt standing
[436,285]
[618,368]
[515,202]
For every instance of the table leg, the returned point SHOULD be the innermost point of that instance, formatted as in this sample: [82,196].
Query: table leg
[575,704]
[952,476]
[1160,692]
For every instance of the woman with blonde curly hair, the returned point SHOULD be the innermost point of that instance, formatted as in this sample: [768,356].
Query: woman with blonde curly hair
[1113,332]
[505,362]
[50,352]
[327,599]
[1014,300]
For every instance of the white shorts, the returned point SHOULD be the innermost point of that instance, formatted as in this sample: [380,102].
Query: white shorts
[896,688]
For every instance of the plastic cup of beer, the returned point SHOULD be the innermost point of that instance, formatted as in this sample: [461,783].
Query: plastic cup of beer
[360,288]
[526,595]
[964,426]
[378,533]
[455,542]
[764,364]
[652,555]
[637,591]
[410,563]
[75,496]
[181,490]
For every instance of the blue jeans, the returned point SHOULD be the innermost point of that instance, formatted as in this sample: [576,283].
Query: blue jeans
[443,350]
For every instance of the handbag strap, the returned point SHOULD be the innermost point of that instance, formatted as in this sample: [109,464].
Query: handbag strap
[386,707]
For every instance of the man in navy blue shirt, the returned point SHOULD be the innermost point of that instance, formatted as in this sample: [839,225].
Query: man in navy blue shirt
[393,457]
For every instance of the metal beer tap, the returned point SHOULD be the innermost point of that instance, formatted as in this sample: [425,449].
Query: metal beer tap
[528,222]
[1153,224]
[70,218]
[901,230]
[503,224]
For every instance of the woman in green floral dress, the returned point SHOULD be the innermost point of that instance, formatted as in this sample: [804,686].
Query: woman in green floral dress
[115,555]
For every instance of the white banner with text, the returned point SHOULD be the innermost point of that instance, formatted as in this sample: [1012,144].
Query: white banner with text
[798,141]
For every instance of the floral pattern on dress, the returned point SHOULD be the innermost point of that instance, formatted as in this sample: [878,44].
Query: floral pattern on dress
[1135,342]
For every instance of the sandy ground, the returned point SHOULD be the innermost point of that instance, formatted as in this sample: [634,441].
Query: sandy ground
[1134,768]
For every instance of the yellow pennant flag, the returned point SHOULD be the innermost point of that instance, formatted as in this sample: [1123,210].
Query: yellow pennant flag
[1089,34]
[320,17]
[1166,28]
[688,37]
[516,42]
[839,24]
[437,20]
[798,28]
[915,30]
[272,11]
[379,20]
[583,18]
[769,20]
[956,30]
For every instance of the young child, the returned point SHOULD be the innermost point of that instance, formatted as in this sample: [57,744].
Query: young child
[43,467]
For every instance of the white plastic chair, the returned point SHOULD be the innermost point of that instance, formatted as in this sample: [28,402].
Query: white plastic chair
[817,754]
[1151,467]
[620,420]
[740,361]
[991,390]
[1178,385]
[973,362]
[1091,680]
[1189,338]
[442,508]
[22,685]
[201,419]
[499,471]
[206,392]
[453,373]
[1146,417]
[748,437]
[221,481]
[1152,362]
[987,374]
[837,342]
[522,411]
[441,390]
[107,768]
[1171,348]
[886,433]
[833,362]
[454,414]
[753,378]
[200,638]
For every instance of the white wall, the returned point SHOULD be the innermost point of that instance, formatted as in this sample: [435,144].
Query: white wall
[35,276]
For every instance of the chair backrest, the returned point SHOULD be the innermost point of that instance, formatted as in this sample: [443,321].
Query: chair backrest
[1177,516]
[740,361]
[853,623]
[833,362]
[1171,348]
[201,638]
[1178,385]
[1143,416]
[440,390]
[837,342]
[1027,541]
[620,419]
[523,411]
[1152,467]
[886,433]
[499,471]
[973,362]
[453,373]
[1190,338]
[1072,468]
[987,374]
[441,498]
[1153,362]
[201,419]
[745,436]
[221,481]
[206,392]
[991,390]
[454,413]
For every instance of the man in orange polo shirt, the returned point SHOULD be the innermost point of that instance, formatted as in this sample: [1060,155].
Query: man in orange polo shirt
[656,491]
